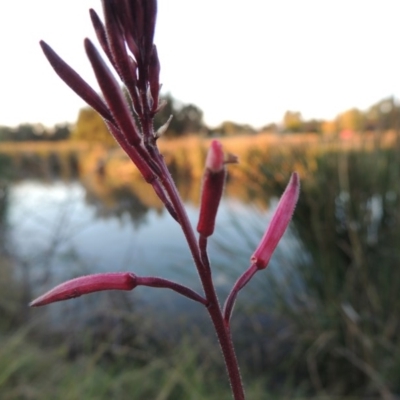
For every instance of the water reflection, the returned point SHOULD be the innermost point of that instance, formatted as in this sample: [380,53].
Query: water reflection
[66,229]
[113,221]
[122,202]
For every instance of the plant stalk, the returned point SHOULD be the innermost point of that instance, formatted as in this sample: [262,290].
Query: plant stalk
[214,310]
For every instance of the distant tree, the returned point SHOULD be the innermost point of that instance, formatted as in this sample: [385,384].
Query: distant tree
[162,116]
[312,126]
[6,133]
[187,118]
[292,121]
[229,128]
[25,132]
[384,115]
[352,119]
[60,132]
[91,127]
[272,128]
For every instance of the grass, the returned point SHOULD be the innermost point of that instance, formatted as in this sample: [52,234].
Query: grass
[335,337]
[347,321]
[29,371]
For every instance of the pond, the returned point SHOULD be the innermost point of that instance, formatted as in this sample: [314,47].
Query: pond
[58,230]
[60,222]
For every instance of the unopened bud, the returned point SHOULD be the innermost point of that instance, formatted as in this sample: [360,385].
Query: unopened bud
[279,222]
[85,285]
[213,185]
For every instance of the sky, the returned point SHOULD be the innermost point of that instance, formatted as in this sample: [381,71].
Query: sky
[246,61]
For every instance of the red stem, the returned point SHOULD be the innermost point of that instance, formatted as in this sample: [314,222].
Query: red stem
[204,253]
[199,254]
[152,281]
[214,309]
[239,285]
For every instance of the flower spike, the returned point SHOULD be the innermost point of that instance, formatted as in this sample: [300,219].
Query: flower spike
[279,222]
[126,36]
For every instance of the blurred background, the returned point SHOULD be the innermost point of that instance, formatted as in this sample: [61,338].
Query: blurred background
[304,86]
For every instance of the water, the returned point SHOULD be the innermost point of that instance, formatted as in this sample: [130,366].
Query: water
[59,230]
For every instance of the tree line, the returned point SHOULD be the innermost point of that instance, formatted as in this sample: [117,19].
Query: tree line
[188,118]
[383,115]
[35,132]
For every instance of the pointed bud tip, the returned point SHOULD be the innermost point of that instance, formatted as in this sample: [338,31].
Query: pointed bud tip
[87,42]
[45,47]
[85,285]
[279,223]
[294,185]
[295,178]
[36,303]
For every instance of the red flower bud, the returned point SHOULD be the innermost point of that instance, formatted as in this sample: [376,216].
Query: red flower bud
[279,222]
[87,284]
[213,185]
